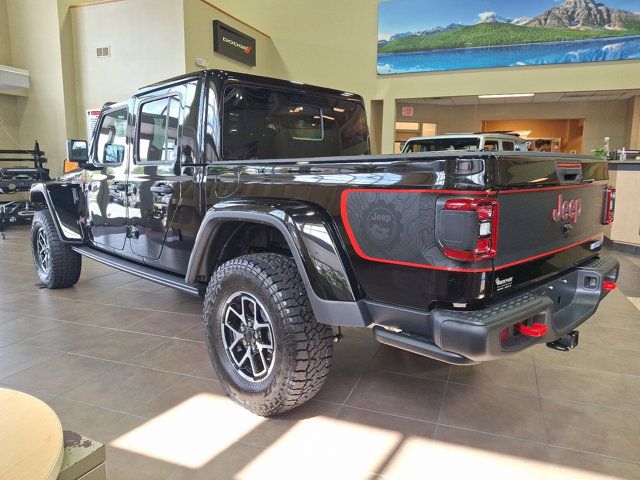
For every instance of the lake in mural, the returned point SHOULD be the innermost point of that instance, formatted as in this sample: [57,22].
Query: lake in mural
[434,35]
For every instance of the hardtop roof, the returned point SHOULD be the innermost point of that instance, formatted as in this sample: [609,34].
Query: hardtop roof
[249,78]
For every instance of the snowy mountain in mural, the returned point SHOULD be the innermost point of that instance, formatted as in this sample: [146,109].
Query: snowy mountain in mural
[511,34]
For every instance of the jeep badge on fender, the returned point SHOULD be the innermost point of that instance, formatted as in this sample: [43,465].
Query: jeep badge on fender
[567,209]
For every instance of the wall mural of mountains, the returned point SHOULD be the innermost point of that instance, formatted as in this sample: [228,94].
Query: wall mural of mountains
[458,36]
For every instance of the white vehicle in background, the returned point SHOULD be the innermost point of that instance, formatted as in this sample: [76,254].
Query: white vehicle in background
[467,142]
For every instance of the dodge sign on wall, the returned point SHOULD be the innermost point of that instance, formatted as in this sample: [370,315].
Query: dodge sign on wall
[231,43]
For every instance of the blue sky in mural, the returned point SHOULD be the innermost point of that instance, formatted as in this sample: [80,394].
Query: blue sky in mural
[397,16]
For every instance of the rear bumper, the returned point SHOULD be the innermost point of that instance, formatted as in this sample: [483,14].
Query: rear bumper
[468,337]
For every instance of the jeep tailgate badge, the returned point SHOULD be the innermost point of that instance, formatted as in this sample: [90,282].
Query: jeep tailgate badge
[567,209]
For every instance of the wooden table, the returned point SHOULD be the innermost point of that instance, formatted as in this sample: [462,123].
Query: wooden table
[31,445]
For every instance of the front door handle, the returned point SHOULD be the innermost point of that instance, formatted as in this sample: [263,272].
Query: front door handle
[117,187]
[162,189]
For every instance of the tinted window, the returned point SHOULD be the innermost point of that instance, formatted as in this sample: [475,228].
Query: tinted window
[491,145]
[262,123]
[158,130]
[112,138]
[507,146]
[439,144]
[306,122]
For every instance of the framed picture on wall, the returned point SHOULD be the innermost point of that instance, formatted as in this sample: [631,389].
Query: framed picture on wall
[436,35]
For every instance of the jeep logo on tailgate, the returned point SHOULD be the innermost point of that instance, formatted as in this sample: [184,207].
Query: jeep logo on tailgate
[567,210]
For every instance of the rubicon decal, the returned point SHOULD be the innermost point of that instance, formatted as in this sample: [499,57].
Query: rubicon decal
[567,210]
[245,48]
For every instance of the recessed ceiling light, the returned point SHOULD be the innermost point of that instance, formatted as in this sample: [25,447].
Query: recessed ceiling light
[508,95]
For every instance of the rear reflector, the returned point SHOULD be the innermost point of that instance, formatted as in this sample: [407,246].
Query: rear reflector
[535,330]
[609,285]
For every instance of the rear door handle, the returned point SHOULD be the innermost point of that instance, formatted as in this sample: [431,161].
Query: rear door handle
[162,189]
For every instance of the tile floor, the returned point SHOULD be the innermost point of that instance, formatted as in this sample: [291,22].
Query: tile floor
[122,360]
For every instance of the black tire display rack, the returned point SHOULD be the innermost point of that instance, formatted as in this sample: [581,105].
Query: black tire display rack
[17,179]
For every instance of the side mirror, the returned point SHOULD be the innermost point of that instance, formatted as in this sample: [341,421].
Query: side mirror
[78,156]
[77,151]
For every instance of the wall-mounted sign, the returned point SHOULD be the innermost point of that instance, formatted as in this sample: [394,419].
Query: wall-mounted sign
[231,43]
[407,111]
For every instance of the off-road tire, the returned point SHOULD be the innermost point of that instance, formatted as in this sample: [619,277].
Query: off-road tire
[65,265]
[303,347]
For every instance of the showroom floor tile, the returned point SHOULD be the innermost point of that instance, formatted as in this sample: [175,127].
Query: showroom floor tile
[123,361]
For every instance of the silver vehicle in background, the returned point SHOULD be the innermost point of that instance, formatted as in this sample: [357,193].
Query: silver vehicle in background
[467,142]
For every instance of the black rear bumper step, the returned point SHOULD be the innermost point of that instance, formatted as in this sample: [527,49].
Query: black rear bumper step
[467,337]
[419,345]
[148,273]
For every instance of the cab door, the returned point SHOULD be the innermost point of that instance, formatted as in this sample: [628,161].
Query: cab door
[107,188]
[154,175]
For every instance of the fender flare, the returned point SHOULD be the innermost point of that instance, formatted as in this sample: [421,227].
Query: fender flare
[64,202]
[315,246]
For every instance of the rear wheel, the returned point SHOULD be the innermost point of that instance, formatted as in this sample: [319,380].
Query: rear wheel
[57,265]
[266,346]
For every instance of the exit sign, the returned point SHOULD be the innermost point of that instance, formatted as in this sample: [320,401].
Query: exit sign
[407,111]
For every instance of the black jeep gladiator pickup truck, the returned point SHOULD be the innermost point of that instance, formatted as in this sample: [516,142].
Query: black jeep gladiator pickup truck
[261,195]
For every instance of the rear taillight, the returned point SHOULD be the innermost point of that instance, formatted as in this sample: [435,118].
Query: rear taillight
[486,233]
[609,205]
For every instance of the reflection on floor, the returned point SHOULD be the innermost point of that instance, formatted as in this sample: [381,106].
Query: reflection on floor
[122,360]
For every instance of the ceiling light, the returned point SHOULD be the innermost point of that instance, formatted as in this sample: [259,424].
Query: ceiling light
[508,95]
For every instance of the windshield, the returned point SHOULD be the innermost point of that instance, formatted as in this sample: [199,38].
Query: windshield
[439,144]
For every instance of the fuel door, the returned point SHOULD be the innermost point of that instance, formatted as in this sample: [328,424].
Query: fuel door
[227,180]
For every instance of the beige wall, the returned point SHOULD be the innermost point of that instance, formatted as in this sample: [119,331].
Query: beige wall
[634,123]
[329,43]
[9,131]
[8,121]
[199,16]
[68,68]
[147,45]
[5,39]
[602,118]
[626,227]
[35,46]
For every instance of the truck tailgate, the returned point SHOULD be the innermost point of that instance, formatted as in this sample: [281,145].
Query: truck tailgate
[545,229]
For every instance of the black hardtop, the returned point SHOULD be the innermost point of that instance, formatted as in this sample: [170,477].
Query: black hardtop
[228,77]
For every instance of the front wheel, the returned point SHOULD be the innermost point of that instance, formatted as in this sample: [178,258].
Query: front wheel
[57,265]
[266,346]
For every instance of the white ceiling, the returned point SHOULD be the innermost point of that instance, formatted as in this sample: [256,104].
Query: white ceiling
[537,98]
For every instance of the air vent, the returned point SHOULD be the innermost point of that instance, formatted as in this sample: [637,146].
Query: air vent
[102,52]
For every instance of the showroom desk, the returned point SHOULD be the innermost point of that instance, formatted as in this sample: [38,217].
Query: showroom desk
[31,445]
[625,230]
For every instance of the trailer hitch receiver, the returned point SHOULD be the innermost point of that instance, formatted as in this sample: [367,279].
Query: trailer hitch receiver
[567,342]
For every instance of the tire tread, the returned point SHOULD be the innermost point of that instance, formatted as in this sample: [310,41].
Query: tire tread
[66,265]
[310,342]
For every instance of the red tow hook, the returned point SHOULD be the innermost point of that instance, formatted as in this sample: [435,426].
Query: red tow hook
[535,330]
[609,285]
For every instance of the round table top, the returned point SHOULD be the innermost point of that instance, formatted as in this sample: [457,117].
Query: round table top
[31,443]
